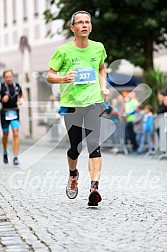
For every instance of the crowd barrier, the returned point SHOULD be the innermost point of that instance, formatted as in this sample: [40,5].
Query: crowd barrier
[160,136]
[108,139]
[54,126]
[116,140]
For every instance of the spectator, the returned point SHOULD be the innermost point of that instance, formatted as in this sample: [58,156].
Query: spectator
[165,101]
[147,130]
[162,108]
[138,124]
[131,104]
[121,102]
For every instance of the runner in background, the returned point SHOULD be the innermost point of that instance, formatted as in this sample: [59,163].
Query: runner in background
[11,97]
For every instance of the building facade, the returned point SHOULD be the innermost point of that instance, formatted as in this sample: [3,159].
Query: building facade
[26,48]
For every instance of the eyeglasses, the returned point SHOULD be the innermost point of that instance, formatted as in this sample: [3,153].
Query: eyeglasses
[79,12]
[82,23]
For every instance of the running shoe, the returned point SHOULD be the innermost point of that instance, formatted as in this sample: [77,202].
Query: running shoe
[72,187]
[94,197]
[5,159]
[15,161]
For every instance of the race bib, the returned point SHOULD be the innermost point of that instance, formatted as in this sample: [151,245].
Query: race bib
[11,115]
[85,76]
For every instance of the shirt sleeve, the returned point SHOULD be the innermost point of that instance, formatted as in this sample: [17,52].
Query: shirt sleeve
[3,90]
[20,90]
[103,55]
[56,60]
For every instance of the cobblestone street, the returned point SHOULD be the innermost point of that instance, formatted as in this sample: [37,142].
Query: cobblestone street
[36,215]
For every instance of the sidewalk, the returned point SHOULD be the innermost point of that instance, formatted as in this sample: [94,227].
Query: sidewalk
[36,215]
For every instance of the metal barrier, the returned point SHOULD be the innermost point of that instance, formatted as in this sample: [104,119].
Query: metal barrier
[160,135]
[54,126]
[116,140]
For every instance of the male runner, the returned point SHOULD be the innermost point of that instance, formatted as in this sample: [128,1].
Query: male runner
[79,68]
[11,96]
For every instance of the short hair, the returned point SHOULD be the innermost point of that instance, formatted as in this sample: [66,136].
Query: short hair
[140,107]
[166,92]
[162,93]
[78,12]
[6,71]
[149,107]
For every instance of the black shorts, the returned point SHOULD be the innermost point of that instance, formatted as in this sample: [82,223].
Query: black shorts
[8,116]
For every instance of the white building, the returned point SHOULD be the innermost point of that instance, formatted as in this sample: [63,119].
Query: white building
[20,18]
[160,59]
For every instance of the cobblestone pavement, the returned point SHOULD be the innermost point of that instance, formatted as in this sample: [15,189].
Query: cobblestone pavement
[36,215]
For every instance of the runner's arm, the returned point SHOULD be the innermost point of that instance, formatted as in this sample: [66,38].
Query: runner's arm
[102,78]
[20,97]
[54,78]
[4,95]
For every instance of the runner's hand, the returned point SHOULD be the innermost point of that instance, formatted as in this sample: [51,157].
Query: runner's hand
[5,98]
[106,93]
[70,76]
[20,101]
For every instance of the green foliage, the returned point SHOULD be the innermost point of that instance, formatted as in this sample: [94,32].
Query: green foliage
[128,28]
[156,80]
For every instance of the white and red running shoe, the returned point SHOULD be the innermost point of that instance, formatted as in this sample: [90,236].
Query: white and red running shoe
[72,187]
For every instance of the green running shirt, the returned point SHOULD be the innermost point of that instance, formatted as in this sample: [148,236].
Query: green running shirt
[86,89]
[130,108]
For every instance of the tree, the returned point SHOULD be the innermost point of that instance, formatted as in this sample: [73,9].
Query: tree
[156,81]
[127,28]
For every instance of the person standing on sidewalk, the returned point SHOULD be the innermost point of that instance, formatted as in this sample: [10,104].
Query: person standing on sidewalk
[138,123]
[11,97]
[82,79]
[131,103]
[162,108]
[147,130]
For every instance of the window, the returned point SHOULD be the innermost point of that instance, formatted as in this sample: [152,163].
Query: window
[5,12]
[6,39]
[14,11]
[15,38]
[26,32]
[36,8]
[47,4]
[37,32]
[25,10]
